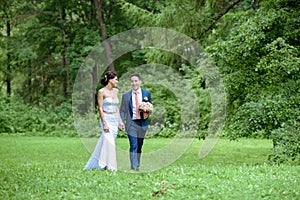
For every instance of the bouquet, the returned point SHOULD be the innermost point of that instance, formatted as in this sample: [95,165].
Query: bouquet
[145,108]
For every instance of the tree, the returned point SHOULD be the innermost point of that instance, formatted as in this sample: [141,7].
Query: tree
[49,46]
[104,37]
[261,66]
[8,13]
[198,20]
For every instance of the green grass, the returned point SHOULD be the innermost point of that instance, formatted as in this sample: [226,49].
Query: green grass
[51,168]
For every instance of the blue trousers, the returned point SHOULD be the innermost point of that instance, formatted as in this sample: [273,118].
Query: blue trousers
[136,139]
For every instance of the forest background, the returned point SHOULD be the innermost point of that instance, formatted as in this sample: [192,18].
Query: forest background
[253,43]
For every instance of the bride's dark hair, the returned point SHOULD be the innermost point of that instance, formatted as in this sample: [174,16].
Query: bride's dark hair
[109,75]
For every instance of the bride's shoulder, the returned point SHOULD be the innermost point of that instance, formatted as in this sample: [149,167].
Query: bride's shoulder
[101,90]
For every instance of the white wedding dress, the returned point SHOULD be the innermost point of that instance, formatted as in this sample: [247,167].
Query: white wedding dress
[104,155]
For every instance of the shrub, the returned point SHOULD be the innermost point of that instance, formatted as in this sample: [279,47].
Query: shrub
[286,143]
[19,118]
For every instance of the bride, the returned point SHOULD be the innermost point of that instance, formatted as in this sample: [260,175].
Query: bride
[104,155]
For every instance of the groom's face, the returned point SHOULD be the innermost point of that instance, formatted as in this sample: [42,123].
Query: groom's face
[135,82]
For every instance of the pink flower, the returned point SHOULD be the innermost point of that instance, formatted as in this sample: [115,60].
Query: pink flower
[145,107]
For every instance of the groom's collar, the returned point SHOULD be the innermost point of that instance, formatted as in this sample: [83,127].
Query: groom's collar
[139,91]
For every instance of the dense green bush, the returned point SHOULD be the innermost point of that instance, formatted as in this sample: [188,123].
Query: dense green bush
[19,118]
[175,113]
[199,87]
[286,142]
[166,113]
[262,117]
[27,119]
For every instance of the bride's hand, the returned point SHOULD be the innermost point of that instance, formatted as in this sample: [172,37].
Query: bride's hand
[121,126]
[105,127]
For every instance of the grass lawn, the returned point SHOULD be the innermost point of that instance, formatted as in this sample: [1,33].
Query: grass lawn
[51,168]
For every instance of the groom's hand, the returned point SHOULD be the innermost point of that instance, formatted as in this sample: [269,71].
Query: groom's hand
[146,115]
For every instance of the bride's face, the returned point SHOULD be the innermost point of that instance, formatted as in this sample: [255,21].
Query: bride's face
[114,81]
[135,82]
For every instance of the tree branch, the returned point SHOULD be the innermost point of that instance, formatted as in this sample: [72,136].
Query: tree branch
[217,18]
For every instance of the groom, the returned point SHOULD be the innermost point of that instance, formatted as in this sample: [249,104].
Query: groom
[135,127]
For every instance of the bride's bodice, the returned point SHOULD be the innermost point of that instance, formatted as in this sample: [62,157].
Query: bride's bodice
[110,105]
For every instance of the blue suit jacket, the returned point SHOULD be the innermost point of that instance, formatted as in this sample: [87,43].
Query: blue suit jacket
[126,109]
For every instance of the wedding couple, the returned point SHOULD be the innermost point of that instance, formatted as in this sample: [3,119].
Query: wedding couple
[112,119]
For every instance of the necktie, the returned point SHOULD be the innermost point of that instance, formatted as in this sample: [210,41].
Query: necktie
[137,112]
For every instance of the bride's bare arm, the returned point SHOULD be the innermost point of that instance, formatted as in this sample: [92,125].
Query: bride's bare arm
[100,98]
[121,124]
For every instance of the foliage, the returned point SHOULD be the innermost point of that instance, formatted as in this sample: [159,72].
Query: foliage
[197,20]
[198,85]
[52,168]
[49,42]
[194,18]
[176,13]
[168,118]
[263,116]
[19,118]
[255,45]
[287,142]
[261,67]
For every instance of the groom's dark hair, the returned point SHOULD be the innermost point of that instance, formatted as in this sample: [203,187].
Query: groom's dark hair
[135,74]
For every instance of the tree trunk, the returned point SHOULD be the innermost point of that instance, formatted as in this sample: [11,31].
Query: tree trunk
[8,54]
[94,83]
[107,47]
[65,68]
